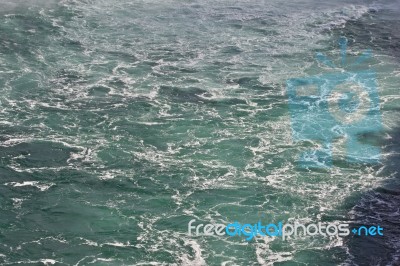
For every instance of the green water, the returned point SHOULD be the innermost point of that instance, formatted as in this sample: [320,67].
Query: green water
[122,121]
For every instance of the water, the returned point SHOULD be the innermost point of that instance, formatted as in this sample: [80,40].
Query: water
[122,121]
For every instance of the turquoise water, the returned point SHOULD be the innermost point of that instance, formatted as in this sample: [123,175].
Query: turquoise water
[122,121]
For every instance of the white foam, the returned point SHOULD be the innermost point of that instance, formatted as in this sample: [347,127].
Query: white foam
[48,261]
[41,186]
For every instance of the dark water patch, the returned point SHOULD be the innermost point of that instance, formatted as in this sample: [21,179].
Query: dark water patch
[227,102]
[231,50]
[218,64]
[376,208]
[150,63]
[24,34]
[121,56]
[170,54]
[376,30]
[99,91]
[69,77]
[37,154]
[177,69]
[117,82]
[73,45]
[8,175]
[177,94]
[249,83]
[11,131]
[237,25]
[380,207]
[265,32]
[191,80]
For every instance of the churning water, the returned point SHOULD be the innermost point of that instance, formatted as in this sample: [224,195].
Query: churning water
[121,121]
